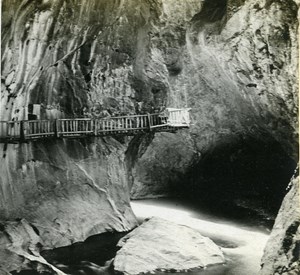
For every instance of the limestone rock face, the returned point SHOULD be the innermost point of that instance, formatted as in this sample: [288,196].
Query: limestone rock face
[235,65]
[162,245]
[282,252]
[160,166]
[67,189]
[233,62]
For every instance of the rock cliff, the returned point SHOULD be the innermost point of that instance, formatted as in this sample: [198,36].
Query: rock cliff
[282,252]
[65,191]
[233,62]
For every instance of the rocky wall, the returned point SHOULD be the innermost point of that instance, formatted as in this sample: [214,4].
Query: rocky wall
[233,62]
[282,252]
[64,191]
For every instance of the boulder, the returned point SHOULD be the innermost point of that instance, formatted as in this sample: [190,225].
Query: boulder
[160,245]
[19,249]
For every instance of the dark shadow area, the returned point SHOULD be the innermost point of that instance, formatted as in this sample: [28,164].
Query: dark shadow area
[212,11]
[244,180]
[88,257]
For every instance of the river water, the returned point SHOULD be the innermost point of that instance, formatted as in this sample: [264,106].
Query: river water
[241,243]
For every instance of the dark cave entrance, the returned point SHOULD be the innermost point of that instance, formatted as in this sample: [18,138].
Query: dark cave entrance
[245,179]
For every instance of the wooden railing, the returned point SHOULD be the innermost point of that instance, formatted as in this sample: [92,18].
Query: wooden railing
[75,127]
[39,128]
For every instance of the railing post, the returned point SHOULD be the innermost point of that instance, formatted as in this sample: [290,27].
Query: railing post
[7,130]
[22,134]
[56,128]
[149,122]
[95,123]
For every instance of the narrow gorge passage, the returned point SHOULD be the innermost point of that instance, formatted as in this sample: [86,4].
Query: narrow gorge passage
[87,136]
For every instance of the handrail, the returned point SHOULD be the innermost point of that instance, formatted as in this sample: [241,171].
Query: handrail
[73,127]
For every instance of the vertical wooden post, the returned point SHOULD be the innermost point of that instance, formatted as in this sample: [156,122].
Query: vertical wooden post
[95,126]
[22,134]
[149,122]
[7,130]
[55,123]
[130,123]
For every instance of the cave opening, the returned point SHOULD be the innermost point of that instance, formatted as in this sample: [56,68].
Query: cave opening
[245,179]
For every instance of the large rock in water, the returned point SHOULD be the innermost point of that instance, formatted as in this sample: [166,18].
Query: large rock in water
[162,245]
[282,252]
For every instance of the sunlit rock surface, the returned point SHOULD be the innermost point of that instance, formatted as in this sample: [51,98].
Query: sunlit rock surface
[282,252]
[160,245]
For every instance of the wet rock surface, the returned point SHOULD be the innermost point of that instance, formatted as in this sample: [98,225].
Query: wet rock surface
[160,245]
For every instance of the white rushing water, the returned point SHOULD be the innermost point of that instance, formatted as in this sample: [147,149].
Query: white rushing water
[242,245]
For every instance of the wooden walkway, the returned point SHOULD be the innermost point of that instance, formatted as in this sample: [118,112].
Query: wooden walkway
[24,130]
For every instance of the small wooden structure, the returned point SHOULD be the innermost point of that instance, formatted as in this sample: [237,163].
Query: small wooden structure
[21,131]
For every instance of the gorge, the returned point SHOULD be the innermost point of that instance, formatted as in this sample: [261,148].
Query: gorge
[233,62]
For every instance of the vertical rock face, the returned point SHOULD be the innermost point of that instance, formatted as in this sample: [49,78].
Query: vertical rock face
[282,252]
[159,167]
[65,191]
[56,54]
[68,190]
[233,62]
